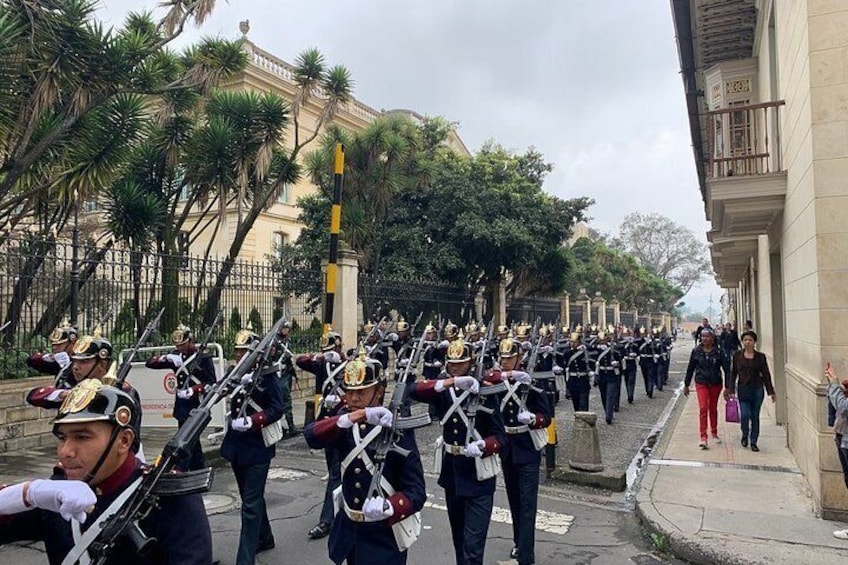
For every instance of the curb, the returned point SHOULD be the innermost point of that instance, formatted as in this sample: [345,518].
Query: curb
[609,480]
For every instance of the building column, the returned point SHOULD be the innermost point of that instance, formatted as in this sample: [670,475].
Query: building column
[599,304]
[499,299]
[565,310]
[346,305]
[616,311]
[586,303]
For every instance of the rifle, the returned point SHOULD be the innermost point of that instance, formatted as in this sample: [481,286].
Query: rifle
[103,535]
[387,440]
[406,345]
[101,321]
[473,405]
[125,367]
[259,361]
[188,364]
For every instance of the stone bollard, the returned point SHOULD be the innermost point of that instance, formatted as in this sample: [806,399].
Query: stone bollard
[585,449]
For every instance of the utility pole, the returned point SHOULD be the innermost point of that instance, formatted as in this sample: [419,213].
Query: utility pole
[710,309]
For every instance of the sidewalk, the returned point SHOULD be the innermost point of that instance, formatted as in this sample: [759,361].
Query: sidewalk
[729,504]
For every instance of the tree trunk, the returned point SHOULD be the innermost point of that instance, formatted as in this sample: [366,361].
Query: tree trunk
[135,270]
[20,293]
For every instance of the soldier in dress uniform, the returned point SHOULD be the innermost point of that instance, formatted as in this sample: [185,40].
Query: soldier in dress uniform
[665,346]
[95,427]
[377,343]
[362,531]
[193,377]
[630,361]
[282,354]
[434,360]
[648,360]
[256,402]
[525,411]
[469,499]
[608,374]
[327,366]
[58,361]
[579,372]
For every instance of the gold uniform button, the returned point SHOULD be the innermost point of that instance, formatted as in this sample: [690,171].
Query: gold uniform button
[356,501]
[357,470]
[455,420]
[358,485]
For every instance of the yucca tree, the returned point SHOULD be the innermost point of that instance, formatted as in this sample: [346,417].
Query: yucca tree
[243,155]
[71,97]
[381,162]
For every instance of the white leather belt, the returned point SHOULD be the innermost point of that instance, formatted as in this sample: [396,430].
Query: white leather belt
[513,430]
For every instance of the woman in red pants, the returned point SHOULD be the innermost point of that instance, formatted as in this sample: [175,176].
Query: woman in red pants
[706,364]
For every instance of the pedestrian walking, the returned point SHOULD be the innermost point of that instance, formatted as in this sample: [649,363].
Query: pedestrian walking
[706,365]
[749,374]
[837,396]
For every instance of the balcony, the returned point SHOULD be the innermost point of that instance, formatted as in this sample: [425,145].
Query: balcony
[745,184]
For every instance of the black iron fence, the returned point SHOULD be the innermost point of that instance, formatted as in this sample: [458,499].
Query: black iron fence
[528,308]
[126,289]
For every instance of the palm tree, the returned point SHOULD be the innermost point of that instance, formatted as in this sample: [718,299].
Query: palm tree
[258,167]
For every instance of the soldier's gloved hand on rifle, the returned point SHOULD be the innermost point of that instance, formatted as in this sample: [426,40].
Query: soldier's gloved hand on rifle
[69,499]
[403,362]
[466,383]
[656,357]
[241,424]
[474,449]
[378,416]
[332,357]
[526,417]
[526,346]
[331,401]
[615,363]
[519,377]
[546,349]
[391,337]
[246,379]
[185,393]
[175,359]
[557,370]
[376,509]
[443,344]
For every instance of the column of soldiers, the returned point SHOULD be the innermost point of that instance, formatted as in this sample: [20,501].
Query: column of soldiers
[493,396]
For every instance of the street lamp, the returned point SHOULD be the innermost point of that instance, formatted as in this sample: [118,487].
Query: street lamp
[75,274]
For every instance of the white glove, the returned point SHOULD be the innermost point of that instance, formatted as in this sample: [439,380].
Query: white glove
[331,401]
[526,345]
[591,374]
[546,349]
[557,370]
[467,383]
[403,362]
[437,363]
[376,509]
[185,393]
[176,359]
[368,350]
[344,422]
[378,416]
[520,377]
[332,357]
[581,347]
[391,337]
[474,449]
[69,498]
[241,424]
[443,344]
[247,379]
[615,363]
[62,358]
[656,357]
[526,417]
[632,355]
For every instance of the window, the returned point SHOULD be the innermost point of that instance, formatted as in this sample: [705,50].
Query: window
[285,194]
[279,239]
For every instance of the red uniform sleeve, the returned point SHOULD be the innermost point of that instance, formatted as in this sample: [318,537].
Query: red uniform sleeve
[322,433]
[402,507]
[542,421]
[424,391]
[492,446]
[38,397]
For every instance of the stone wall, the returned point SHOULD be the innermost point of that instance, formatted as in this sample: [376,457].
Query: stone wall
[21,425]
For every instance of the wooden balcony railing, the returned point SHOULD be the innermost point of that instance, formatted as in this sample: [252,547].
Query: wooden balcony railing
[744,140]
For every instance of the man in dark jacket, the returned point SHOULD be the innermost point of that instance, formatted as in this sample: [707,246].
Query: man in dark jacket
[95,430]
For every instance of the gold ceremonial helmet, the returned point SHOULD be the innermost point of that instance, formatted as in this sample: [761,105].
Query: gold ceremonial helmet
[451,330]
[402,325]
[458,351]
[361,372]
[329,341]
[508,347]
[245,338]
[575,336]
[181,335]
[92,401]
[63,332]
[579,329]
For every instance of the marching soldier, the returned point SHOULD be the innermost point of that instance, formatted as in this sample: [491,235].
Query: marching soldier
[469,495]
[281,351]
[327,367]
[95,427]
[376,344]
[630,357]
[525,412]
[608,374]
[58,361]
[665,347]
[579,372]
[648,359]
[434,359]
[194,371]
[255,404]
[363,527]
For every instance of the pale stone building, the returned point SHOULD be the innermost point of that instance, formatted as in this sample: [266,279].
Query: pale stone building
[766,85]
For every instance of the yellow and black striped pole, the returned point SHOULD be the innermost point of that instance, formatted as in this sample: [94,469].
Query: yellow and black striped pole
[335,227]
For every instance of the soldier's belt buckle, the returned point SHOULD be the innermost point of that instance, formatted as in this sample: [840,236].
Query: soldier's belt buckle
[355,516]
[454,449]
[513,430]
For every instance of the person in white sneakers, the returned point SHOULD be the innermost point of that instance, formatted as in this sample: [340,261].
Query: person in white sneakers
[837,395]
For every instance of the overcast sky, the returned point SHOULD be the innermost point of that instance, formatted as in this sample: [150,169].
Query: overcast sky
[595,86]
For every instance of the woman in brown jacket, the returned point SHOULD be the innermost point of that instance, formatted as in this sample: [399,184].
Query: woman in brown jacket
[748,375]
